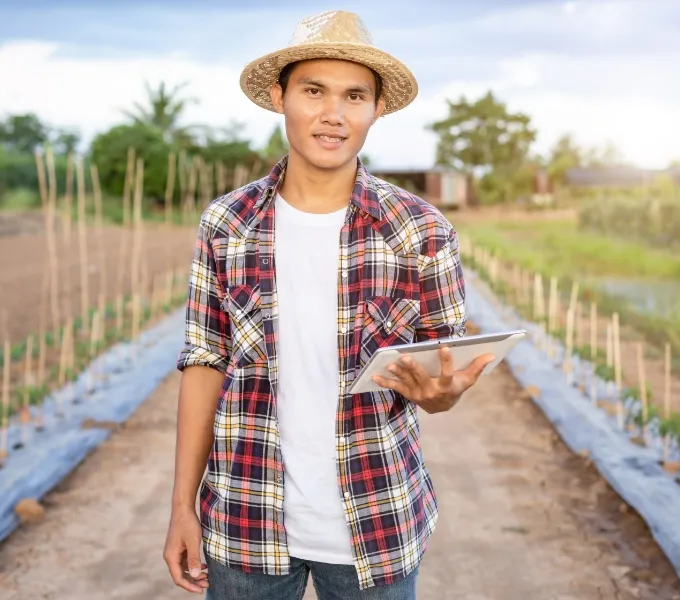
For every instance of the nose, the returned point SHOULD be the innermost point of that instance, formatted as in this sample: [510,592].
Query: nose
[333,113]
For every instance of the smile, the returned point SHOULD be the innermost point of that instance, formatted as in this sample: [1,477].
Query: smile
[328,139]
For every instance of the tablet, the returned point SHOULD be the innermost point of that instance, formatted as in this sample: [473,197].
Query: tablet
[465,350]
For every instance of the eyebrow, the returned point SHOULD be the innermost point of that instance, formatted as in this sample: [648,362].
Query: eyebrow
[356,88]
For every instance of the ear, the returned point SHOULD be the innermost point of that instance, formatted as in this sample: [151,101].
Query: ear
[276,95]
[379,109]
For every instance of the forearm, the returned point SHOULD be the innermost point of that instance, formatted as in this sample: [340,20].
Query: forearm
[198,397]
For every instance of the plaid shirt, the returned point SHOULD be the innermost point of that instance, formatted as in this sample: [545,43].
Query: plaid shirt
[399,281]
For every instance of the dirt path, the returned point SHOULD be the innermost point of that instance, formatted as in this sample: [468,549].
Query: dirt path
[521,518]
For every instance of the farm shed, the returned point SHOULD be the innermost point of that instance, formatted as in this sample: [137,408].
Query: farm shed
[614,177]
[443,187]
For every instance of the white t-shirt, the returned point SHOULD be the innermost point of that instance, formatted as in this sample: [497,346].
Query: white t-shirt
[307,250]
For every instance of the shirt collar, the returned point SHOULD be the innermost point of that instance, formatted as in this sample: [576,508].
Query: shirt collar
[364,195]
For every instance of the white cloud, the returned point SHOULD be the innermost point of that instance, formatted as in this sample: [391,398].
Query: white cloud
[628,100]
[88,94]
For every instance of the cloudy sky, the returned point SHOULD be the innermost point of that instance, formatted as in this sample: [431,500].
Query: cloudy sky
[603,70]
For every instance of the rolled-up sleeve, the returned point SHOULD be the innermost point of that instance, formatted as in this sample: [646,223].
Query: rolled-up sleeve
[207,338]
[442,293]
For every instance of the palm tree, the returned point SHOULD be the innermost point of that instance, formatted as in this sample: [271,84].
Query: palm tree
[163,112]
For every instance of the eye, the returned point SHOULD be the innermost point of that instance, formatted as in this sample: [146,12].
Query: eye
[312,91]
[355,96]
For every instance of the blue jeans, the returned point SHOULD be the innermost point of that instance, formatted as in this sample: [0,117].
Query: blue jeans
[331,582]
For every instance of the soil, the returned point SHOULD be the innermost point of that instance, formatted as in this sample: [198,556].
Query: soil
[521,517]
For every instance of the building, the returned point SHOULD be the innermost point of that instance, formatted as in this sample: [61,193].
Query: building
[443,187]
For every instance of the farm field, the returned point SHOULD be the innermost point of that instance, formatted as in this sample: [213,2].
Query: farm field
[605,267]
[520,514]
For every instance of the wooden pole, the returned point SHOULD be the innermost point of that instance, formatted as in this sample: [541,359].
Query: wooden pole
[593,351]
[5,390]
[99,224]
[552,315]
[46,201]
[170,189]
[28,383]
[568,366]
[667,398]
[82,237]
[51,238]
[124,234]
[617,368]
[68,202]
[643,388]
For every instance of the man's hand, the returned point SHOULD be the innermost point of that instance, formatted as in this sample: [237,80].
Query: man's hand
[433,394]
[183,551]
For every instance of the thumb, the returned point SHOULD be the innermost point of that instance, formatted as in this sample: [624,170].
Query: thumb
[194,558]
[480,363]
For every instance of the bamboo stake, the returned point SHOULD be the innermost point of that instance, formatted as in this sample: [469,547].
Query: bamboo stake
[51,238]
[617,368]
[82,236]
[593,351]
[170,189]
[124,236]
[42,359]
[567,366]
[68,202]
[119,315]
[643,389]
[46,201]
[28,381]
[99,224]
[552,315]
[5,391]
[667,398]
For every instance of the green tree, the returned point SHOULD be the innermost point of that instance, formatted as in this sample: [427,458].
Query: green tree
[109,152]
[484,138]
[482,135]
[163,113]
[277,146]
[564,155]
[23,133]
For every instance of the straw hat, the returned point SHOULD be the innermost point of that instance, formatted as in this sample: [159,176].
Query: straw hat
[332,34]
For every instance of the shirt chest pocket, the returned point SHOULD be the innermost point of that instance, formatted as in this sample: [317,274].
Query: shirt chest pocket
[387,321]
[247,333]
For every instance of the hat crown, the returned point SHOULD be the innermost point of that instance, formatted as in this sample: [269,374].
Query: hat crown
[333,26]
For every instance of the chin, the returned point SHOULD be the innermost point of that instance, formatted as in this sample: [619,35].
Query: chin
[330,161]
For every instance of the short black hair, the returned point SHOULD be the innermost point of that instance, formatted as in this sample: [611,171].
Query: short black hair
[284,77]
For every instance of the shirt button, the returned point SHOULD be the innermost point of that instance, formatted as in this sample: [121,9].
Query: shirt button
[389,324]
[279,479]
[342,440]
[265,261]
[344,274]
[344,330]
[346,494]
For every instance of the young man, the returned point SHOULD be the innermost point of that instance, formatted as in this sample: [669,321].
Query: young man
[296,280]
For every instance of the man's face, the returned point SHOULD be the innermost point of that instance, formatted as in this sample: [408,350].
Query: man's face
[329,106]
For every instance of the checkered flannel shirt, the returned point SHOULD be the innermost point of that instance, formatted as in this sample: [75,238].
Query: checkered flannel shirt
[399,281]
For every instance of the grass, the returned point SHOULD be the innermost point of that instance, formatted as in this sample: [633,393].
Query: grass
[559,248]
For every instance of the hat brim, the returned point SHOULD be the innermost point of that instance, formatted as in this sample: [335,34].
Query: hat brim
[399,85]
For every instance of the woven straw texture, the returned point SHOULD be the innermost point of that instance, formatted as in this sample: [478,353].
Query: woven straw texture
[331,35]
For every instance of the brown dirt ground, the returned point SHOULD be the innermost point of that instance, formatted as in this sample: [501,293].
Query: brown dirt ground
[23,256]
[521,518]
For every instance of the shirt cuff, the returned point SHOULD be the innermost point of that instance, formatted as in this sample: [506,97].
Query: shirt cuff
[192,356]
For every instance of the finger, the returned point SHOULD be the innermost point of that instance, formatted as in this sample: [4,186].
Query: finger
[194,564]
[392,384]
[420,376]
[402,373]
[177,574]
[447,370]
[479,364]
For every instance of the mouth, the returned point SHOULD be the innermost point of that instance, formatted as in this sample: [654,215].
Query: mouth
[330,141]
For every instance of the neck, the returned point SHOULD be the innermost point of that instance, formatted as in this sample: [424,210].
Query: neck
[315,190]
